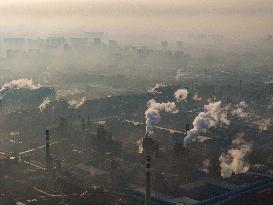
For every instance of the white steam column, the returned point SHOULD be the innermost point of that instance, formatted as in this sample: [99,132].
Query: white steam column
[148,181]
[187,130]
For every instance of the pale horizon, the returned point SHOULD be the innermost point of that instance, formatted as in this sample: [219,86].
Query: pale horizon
[221,17]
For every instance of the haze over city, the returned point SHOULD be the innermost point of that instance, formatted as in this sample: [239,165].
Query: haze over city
[171,18]
[133,102]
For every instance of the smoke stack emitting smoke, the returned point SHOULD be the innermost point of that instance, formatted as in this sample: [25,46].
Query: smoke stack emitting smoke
[154,90]
[77,103]
[181,94]
[140,145]
[234,160]
[196,97]
[213,115]
[152,113]
[179,75]
[18,84]
[44,104]
[238,110]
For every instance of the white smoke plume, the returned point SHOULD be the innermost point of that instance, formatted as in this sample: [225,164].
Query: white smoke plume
[196,97]
[213,115]
[264,124]
[239,110]
[152,113]
[18,84]
[243,104]
[181,94]
[234,160]
[140,145]
[179,75]
[101,122]
[44,104]
[154,90]
[211,99]
[77,103]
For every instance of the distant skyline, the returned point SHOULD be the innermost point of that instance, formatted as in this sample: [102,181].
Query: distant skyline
[244,17]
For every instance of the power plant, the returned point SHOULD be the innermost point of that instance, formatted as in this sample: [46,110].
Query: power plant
[80,151]
[161,109]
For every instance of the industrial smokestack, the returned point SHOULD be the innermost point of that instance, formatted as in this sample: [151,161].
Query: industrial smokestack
[148,181]
[47,151]
[213,115]
[1,105]
[187,131]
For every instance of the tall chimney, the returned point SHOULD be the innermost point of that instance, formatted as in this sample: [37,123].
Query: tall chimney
[47,151]
[148,181]
[1,104]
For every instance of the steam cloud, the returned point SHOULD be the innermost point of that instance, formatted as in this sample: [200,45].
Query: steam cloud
[77,103]
[16,85]
[154,90]
[264,124]
[238,111]
[179,75]
[213,115]
[196,97]
[44,104]
[152,113]
[140,145]
[181,94]
[234,160]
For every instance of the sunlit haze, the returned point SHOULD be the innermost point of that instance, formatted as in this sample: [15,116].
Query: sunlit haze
[243,17]
[136,102]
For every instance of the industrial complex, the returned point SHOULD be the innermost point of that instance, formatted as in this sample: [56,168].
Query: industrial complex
[102,151]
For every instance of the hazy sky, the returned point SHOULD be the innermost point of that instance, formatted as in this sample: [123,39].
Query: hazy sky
[143,16]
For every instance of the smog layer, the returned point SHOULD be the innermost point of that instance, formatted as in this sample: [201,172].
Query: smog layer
[139,110]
